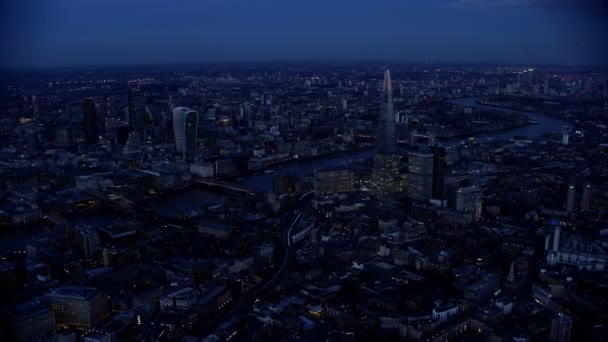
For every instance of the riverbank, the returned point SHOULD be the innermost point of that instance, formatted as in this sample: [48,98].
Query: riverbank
[491,132]
[286,162]
[533,111]
[546,123]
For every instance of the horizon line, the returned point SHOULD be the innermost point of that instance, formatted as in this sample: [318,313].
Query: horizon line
[302,61]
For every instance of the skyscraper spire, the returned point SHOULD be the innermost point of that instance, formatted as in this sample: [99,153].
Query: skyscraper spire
[386,142]
[385,175]
[387,88]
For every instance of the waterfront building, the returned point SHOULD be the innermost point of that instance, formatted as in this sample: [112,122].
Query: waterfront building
[333,181]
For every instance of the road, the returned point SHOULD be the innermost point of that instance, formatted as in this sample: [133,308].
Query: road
[244,303]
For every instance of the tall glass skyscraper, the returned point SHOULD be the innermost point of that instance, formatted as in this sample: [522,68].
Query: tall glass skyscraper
[385,176]
[420,176]
[185,130]
[90,122]
[386,142]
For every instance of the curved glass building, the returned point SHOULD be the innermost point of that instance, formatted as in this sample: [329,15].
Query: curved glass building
[185,130]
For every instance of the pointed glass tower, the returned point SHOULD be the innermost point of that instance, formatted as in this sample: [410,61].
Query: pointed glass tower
[386,143]
[385,176]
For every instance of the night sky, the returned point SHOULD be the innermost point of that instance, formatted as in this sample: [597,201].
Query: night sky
[42,33]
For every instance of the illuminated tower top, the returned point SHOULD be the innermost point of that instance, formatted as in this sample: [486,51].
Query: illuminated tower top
[386,142]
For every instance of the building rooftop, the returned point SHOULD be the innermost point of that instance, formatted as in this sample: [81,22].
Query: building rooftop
[27,310]
[72,292]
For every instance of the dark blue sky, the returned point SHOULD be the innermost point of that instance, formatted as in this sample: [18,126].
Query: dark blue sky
[37,33]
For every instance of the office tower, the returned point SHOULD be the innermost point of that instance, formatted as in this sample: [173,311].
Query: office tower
[131,113]
[81,307]
[35,107]
[185,130]
[556,240]
[470,200]
[565,138]
[30,321]
[90,122]
[333,181]
[87,241]
[420,176]
[439,163]
[385,175]
[561,328]
[106,116]
[106,104]
[586,197]
[63,135]
[570,200]
[122,134]
[532,76]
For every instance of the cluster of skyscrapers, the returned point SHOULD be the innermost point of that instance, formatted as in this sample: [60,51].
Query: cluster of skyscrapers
[184,120]
[424,178]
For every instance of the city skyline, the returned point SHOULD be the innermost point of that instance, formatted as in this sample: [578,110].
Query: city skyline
[345,170]
[276,202]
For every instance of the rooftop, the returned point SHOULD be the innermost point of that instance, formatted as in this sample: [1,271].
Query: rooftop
[72,292]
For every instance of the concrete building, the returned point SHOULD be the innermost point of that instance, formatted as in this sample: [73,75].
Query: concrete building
[574,251]
[561,328]
[80,307]
[30,321]
[470,200]
[333,181]
[178,300]
[571,199]
[87,241]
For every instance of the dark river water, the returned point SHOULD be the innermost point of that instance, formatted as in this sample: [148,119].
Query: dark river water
[194,198]
[545,124]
